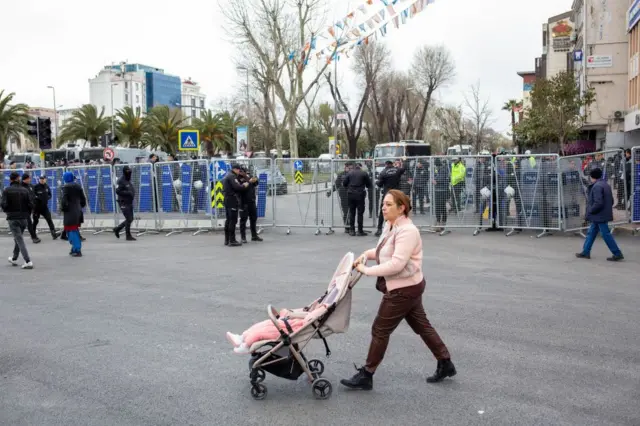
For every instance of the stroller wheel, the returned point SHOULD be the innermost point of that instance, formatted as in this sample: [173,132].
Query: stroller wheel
[321,388]
[257,376]
[259,391]
[316,366]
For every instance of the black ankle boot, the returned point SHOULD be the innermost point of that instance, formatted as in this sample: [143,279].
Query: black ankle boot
[362,380]
[444,369]
[226,237]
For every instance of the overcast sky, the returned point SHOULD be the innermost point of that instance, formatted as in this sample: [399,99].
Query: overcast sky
[63,43]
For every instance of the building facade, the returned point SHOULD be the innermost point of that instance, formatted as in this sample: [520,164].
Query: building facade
[133,85]
[632,117]
[528,81]
[600,62]
[557,36]
[193,100]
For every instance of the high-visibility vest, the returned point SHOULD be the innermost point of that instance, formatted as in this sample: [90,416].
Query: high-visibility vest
[458,172]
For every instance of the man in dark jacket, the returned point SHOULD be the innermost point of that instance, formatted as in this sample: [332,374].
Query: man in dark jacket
[126,193]
[42,194]
[232,188]
[389,178]
[357,182]
[600,213]
[342,194]
[26,182]
[18,205]
[249,208]
[73,201]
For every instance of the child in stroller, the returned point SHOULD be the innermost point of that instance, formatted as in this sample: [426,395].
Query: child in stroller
[275,344]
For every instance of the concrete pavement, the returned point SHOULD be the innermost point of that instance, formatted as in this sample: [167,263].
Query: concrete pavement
[133,334]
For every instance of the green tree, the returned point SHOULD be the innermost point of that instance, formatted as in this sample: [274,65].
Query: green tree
[312,143]
[555,113]
[162,125]
[85,124]
[13,121]
[510,106]
[214,133]
[230,120]
[130,127]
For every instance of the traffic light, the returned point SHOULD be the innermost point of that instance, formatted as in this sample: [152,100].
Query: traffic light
[32,128]
[44,133]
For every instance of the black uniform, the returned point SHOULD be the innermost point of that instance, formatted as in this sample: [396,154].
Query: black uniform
[357,182]
[18,205]
[420,186]
[42,194]
[30,227]
[249,209]
[342,195]
[232,188]
[389,178]
[126,193]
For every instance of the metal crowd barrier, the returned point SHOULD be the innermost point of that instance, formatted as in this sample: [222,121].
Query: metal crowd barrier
[536,192]
[576,171]
[634,197]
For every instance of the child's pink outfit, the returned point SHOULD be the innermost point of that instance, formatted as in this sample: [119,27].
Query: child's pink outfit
[298,318]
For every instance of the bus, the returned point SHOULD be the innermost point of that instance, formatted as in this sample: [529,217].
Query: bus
[399,150]
[460,150]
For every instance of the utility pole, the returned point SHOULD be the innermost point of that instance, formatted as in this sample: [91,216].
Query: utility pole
[55,110]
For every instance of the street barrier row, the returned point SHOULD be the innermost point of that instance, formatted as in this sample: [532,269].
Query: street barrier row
[516,192]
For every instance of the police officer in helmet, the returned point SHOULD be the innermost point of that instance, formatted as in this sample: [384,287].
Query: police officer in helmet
[232,189]
[248,206]
[357,183]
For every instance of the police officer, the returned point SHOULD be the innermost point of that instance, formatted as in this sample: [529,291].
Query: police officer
[126,193]
[420,185]
[232,188]
[342,194]
[26,182]
[42,194]
[249,209]
[357,182]
[389,178]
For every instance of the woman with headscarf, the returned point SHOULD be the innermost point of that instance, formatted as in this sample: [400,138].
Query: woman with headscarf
[73,201]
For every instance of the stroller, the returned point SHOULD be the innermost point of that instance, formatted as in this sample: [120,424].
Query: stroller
[284,358]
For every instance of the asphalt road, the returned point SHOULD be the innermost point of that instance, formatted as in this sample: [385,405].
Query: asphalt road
[133,334]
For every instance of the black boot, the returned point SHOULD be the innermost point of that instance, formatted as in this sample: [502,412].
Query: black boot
[131,237]
[362,380]
[444,369]
[243,233]
[256,237]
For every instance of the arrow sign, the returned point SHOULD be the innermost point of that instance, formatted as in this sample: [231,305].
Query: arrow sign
[221,169]
[298,165]
[298,177]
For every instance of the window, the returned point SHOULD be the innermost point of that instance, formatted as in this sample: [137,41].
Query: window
[201,113]
[193,101]
[137,87]
[126,85]
[137,99]
[201,102]
[126,97]
[193,112]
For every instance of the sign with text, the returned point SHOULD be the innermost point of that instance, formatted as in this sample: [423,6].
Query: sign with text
[599,61]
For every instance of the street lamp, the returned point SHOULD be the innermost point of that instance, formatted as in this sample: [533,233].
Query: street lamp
[55,109]
[246,69]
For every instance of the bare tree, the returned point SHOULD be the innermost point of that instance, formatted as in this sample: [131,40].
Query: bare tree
[276,31]
[452,125]
[480,114]
[432,68]
[369,60]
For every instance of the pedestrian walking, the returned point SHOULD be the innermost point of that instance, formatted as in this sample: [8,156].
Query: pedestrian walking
[42,194]
[26,182]
[126,193]
[73,201]
[399,277]
[18,205]
[600,213]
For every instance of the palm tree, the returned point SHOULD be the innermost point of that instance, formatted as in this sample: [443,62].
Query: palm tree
[213,131]
[229,121]
[13,121]
[511,105]
[162,125]
[85,124]
[130,126]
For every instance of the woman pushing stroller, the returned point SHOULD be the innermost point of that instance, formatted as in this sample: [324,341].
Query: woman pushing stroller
[399,276]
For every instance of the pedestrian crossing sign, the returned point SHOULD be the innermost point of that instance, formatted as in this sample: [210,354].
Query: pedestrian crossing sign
[189,140]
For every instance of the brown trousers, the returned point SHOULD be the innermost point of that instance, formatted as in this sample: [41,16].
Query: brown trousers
[404,303]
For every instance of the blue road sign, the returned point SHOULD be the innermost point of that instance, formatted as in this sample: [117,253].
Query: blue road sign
[298,165]
[221,167]
[189,140]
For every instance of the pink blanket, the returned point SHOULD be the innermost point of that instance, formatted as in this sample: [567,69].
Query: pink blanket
[265,330]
